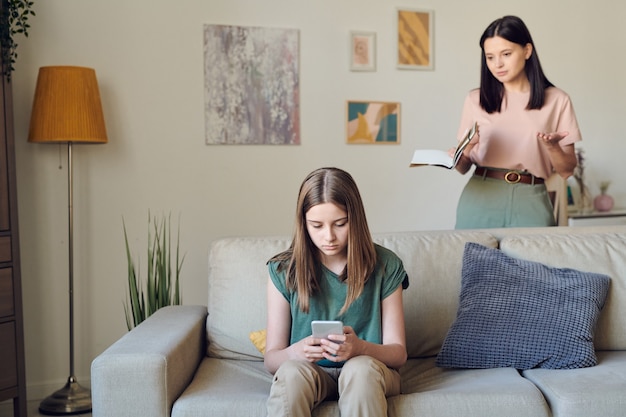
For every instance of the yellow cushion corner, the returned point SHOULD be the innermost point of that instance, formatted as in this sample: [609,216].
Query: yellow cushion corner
[258,340]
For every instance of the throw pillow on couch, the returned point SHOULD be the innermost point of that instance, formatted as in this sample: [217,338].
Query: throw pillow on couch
[523,314]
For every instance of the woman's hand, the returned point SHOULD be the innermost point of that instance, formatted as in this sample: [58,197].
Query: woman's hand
[551,139]
[563,158]
[470,145]
[465,163]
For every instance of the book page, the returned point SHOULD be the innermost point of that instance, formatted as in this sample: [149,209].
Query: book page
[432,157]
[442,158]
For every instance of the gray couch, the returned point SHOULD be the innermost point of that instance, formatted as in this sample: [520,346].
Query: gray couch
[182,362]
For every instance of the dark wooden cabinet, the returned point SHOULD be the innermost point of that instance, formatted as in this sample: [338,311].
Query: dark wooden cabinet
[12,369]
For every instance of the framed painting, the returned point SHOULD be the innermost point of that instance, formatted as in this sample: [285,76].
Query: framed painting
[415,39]
[251,85]
[372,122]
[362,51]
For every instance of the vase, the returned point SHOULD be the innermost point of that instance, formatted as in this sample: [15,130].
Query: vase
[603,202]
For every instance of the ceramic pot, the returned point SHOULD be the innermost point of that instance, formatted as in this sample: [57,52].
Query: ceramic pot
[603,202]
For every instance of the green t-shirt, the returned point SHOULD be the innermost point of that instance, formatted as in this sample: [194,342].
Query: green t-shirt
[364,314]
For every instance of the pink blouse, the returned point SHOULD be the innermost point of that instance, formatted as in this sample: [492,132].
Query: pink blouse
[508,139]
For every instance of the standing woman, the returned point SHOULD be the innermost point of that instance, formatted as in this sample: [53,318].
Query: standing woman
[527,130]
[334,271]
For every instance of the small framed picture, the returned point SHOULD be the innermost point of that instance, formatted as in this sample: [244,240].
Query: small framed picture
[372,122]
[362,51]
[415,39]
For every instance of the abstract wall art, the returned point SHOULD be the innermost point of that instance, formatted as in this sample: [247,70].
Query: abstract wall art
[251,85]
[373,122]
[415,39]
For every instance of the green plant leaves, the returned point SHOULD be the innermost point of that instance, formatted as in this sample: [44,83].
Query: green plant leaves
[162,285]
[13,21]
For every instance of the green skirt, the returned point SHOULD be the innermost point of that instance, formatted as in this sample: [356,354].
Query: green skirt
[493,203]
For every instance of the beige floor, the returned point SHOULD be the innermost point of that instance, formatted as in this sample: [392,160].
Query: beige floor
[6,410]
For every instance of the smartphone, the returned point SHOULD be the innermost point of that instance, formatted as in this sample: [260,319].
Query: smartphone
[322,328]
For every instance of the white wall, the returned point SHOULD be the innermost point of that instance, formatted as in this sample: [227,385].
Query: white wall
[148,58]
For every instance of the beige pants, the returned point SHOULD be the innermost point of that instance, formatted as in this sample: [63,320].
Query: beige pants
[362,386]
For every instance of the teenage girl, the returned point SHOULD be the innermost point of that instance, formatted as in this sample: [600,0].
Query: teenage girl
[334,271]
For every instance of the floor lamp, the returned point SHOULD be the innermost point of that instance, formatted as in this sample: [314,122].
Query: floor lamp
[67,109]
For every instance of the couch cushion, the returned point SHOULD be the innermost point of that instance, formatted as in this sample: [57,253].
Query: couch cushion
[223,387]
[596,391]
[523,314]
[237,293]
[604,253]
[433,262]
[436,392]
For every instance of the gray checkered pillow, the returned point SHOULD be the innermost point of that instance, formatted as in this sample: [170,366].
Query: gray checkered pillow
[522,314]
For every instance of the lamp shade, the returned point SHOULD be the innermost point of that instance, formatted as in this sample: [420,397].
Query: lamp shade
[67,107]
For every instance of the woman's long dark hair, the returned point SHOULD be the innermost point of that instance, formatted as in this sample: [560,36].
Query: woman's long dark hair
[513,29]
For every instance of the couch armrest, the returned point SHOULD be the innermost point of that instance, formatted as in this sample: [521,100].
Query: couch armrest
[145,371]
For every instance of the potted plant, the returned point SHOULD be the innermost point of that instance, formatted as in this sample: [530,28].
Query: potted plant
[13,21]
[162,283]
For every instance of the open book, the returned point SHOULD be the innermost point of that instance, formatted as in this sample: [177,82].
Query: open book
[437,157]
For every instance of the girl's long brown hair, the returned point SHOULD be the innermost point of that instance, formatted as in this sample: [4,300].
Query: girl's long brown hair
[328,185]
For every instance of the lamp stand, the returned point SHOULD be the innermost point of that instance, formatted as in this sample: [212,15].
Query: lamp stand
[72,398]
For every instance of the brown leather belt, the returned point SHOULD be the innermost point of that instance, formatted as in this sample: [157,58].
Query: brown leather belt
[511,177]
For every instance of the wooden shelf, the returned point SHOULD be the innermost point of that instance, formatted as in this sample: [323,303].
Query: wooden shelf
[598,218]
